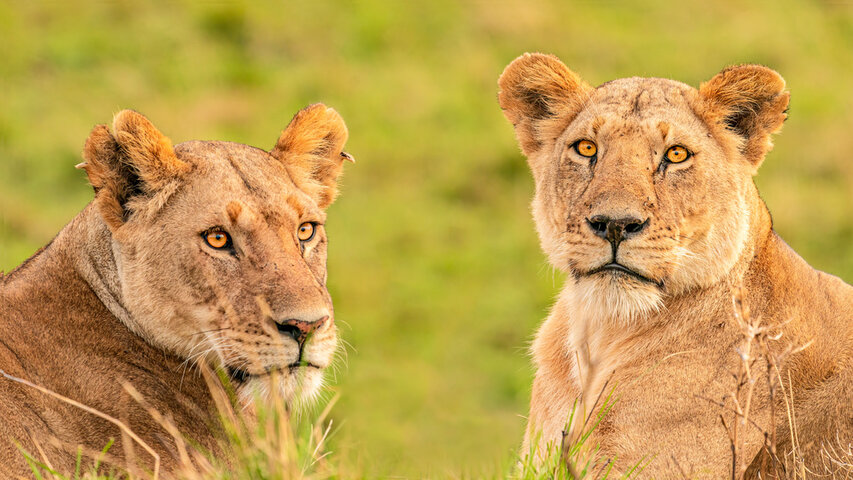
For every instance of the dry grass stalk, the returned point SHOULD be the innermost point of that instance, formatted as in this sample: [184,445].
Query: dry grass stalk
[274,441]
[566,457]
[162,420]
[124,428]
[44,458]
[760,358]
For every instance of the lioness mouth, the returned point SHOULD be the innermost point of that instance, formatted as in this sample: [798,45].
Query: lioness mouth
[242,376]
[618,267]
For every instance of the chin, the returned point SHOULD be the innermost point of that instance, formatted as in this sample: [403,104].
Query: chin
[295,386]
[616,297]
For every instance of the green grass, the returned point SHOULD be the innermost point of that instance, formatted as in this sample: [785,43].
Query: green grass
[278,444]
[82,470]
[577,456]
[434,265]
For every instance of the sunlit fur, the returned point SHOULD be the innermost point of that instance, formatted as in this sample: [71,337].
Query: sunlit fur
[675,249]
[224,308]
[130,291]
[660,333]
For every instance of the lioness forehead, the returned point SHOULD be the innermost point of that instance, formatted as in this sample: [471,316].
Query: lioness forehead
[246,173]
[641,98]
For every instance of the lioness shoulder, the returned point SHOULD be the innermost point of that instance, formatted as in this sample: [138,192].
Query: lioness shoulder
[645,197]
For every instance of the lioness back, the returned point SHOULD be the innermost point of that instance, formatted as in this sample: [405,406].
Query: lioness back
[645,197]
[206,253]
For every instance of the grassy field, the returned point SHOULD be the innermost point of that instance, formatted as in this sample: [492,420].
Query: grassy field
[434,264]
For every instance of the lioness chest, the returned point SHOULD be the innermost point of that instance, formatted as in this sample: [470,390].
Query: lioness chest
[652,377]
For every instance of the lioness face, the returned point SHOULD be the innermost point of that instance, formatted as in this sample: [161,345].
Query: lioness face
[640,192]
[627,221]
[252,285]
[226,264]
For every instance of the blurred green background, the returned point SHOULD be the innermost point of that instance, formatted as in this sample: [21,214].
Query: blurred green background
[434,265]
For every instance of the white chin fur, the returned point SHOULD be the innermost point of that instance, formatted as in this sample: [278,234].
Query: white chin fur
[296,389]
[615,298]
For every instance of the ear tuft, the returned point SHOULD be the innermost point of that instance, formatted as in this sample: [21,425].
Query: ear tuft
[311,147]
[148,150]
[750,101]
[137,161]
[539,95]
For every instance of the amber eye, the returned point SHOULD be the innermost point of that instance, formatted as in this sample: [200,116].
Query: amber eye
[306,232]
[677,154]
[217,239]
[586,148]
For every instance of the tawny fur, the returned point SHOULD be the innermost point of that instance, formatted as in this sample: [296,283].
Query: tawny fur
[130,292]
[667,345]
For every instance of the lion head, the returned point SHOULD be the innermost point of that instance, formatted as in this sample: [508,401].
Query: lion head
[219,249]
[643,185]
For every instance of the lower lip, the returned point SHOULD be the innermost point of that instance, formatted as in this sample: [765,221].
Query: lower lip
[616,268]
[243,376]
[294,366]
[626,271]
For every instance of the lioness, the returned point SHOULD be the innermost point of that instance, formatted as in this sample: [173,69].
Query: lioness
[209,252]
[644,196]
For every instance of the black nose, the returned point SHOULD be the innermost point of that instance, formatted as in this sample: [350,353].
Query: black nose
[614,230]
[300,330]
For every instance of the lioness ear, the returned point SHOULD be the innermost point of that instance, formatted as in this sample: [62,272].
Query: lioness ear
[751,101]
[311,147]
[540,96]
[136,161]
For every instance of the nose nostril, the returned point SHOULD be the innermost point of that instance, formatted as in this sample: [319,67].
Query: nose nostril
[633,227]
[615,230]
[292,330]
[301,330]
[598,224]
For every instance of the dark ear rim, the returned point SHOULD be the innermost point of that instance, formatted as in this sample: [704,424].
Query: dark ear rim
[114,181]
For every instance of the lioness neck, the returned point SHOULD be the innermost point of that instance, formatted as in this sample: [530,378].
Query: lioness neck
[89,245]
[61,328]
[81,253]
